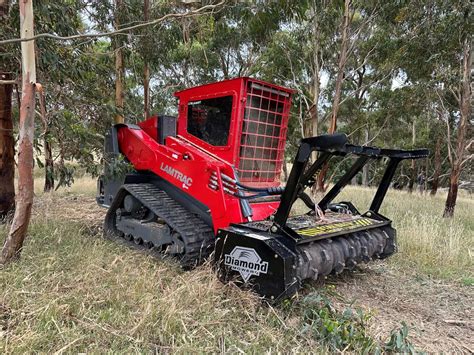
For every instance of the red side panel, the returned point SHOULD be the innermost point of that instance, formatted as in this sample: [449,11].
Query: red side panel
[185,167]
[150,126]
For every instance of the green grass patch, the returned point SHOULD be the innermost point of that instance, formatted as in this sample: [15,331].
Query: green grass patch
[80,291]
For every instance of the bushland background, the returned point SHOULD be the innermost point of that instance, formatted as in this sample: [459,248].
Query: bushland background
[393,74]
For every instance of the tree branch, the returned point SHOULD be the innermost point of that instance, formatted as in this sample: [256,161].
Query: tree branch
[448,128]
[378,133]
[8,82]
[118,31]
[468,158]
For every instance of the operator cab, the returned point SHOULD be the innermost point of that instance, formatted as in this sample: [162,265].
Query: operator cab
[242,121]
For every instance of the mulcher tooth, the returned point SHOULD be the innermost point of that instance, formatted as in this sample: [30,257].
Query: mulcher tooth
[324,255]
[339,255]
[339,267]
[366,245]
[351,250]
[315,273]
[365,254]
[351,263]
[355,242]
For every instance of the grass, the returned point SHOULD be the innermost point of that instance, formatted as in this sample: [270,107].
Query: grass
[428,243]
[74,291]
[77,292]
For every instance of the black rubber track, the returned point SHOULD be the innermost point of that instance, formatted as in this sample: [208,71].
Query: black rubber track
[197,236]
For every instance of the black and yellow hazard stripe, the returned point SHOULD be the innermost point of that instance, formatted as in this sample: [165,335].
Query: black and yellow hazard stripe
[337,227]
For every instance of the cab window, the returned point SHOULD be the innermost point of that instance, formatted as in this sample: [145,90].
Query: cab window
[209,120]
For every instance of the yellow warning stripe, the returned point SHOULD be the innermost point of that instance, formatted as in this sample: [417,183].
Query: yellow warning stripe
[336,227]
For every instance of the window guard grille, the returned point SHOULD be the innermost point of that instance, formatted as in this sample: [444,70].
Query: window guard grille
[263,135]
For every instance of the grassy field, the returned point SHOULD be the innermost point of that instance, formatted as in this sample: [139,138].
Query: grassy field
[428,243]
[74,291]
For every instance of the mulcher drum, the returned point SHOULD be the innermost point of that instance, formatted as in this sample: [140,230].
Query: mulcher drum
[316,249]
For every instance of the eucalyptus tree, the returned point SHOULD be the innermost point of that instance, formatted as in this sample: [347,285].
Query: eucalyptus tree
[7,147]
[436,51]
[24,199]
[335,54]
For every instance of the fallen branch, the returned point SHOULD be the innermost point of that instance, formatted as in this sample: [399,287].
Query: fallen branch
[458,322]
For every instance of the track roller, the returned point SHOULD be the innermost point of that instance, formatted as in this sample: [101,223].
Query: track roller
[148,218]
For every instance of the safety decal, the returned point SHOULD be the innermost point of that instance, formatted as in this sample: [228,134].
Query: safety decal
[337,227]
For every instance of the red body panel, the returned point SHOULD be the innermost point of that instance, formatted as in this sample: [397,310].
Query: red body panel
[229,87]
[188,162]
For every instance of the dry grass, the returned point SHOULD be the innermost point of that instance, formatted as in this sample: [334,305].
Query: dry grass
[77,292]
[428,243]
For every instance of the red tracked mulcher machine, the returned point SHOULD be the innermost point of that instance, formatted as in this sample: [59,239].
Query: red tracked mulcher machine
[210,180]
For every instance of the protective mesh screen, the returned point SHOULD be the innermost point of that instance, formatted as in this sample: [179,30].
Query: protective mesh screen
[263,134]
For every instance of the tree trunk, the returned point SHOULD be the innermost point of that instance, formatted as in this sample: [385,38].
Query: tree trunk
[354,181]
[24,199]
[7,149]
[316,84]
[119,69]
[341,66]
[48,166]
[365,175]
[423,183]
[316,87]
[339,79]
[452,195]
[437,164]
[465,108]
[412,176]
[146,90]
[365,169]
[413,164]
[47,149]
[301,119]
[4,8]
[285,170]
[146,68]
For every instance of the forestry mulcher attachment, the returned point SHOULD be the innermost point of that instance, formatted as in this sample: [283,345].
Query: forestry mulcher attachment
[210,180]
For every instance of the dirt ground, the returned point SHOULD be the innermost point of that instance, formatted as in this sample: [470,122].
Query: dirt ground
[439,314]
